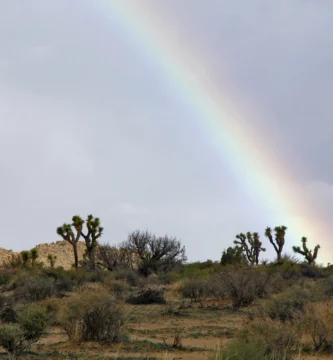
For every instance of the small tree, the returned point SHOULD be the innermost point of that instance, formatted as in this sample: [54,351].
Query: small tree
[232,256]
[25,256]
[279,241]
[34,255]
[155,253]
[310,258]
[114,257]
[52,259]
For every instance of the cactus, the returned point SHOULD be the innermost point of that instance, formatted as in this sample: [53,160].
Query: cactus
[310,258]
[279,241]
[251,245]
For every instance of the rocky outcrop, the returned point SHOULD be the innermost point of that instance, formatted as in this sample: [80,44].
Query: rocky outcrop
[62,250]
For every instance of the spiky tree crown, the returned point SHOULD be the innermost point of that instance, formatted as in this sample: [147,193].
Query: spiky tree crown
[34,253]
[77,222]
[64,230]
[94,225]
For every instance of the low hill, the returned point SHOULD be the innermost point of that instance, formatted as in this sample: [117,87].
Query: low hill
[61,249]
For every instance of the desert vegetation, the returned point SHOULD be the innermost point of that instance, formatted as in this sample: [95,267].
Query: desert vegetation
[141,299]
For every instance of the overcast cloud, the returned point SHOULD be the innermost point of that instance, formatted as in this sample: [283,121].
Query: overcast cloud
[87,124]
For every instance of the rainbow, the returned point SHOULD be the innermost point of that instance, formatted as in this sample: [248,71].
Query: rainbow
[250,156]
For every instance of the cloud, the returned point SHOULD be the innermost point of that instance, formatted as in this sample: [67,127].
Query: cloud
[39,52]
[4,66]
[129,209]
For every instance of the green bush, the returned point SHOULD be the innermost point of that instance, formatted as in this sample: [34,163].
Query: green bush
[194,289]
[239,350]
[288,304]
[8,313]
[35,289]
[12,340]
[265,340]
[33,319]
[119,288]
[128,275]
[30,327]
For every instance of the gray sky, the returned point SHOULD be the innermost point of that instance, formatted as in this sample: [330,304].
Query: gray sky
[88,124]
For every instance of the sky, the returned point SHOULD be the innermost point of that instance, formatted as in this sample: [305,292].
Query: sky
[89,123]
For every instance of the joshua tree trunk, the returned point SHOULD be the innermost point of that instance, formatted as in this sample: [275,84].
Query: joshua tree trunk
[76,256]
[91,257]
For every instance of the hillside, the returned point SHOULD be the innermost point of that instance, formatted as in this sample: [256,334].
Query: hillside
[61,249]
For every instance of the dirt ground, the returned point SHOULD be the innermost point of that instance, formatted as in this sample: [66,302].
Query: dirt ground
[151,331]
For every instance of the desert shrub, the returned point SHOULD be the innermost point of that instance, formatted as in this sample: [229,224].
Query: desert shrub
[242,285]
[5,276]
[128,275]
[8,313]
[150,280]
[241,350]
[2,301]
[118,288]
[169,277]
[264,283]
[35,289]
[149,295]
[326,287]
[92,316]
[318,323]
[311,271]
[33,319]
[52,307]
[281,341]
[194,289]
[12,340]
[287,304]
[30,327]
[264,340]
[289,268]
[64,281]
[18,280]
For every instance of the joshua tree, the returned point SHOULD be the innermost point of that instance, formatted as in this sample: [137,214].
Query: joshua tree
[310,258]
[94,232]
[279,241]
[68,235]
[25,256]
[244,246]
[256,244]
[52,260]
[251,245]
[34,255]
